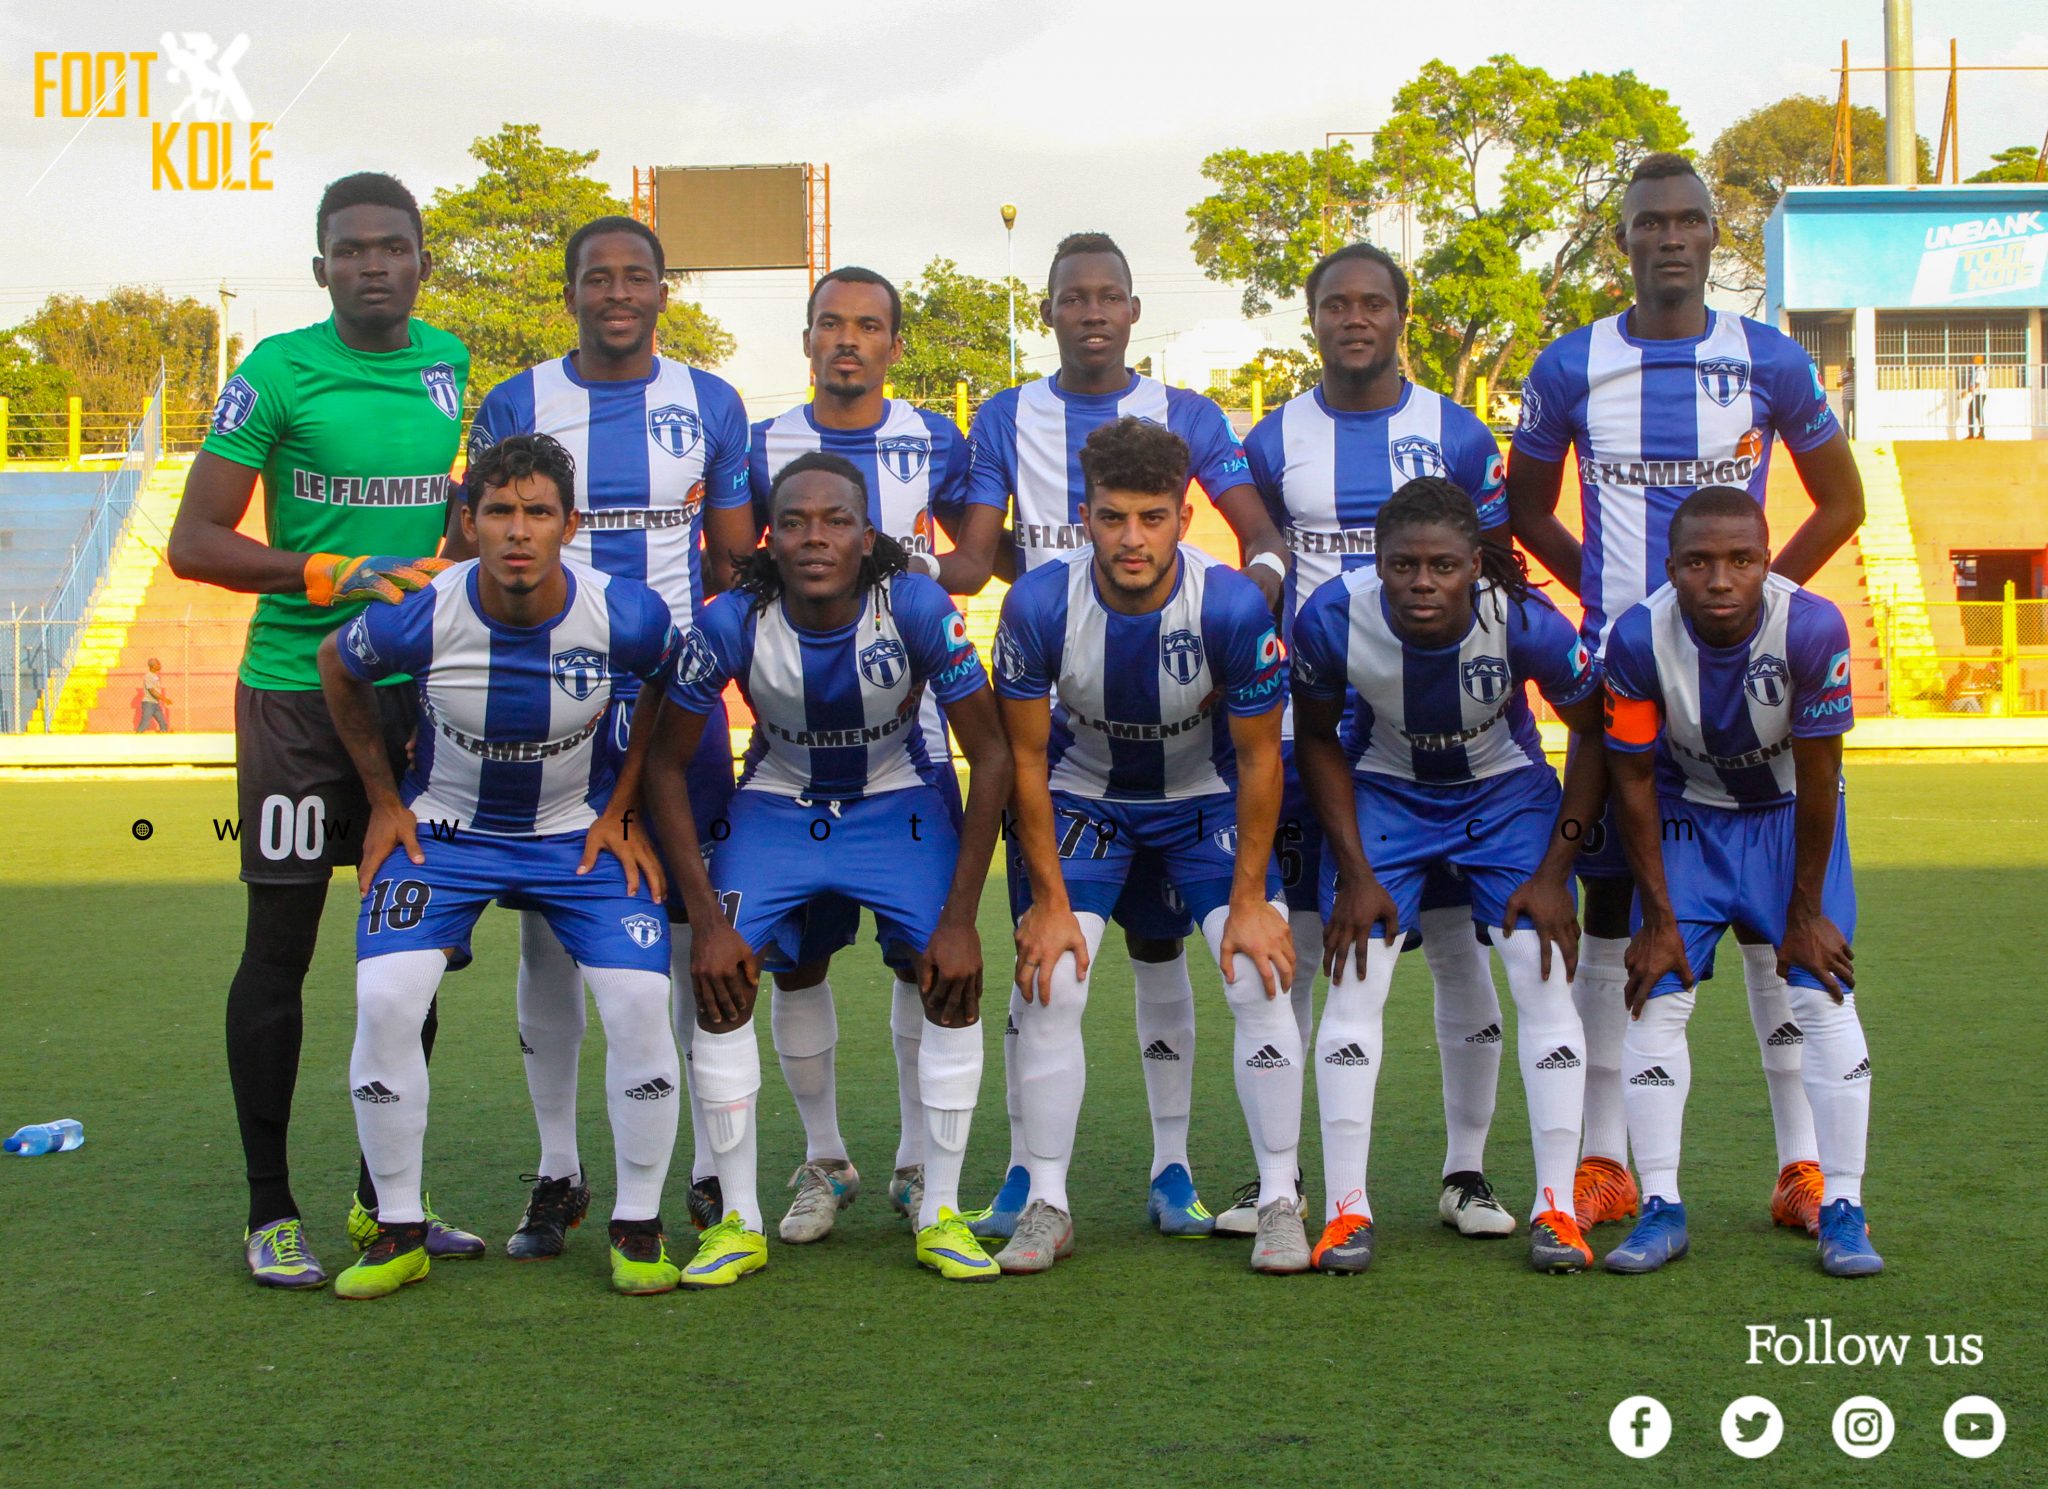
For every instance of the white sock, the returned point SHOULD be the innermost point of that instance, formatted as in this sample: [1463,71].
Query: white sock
[1468,1035]
[1779,1038]
[643,1081]
[1836,1069]
[1550,1046]
[1013,1088]
[805,1029]
[1307,929]
[729,1086]
[1598,989]
[1051,1072]
[683,1014]
[1659,1065]
[387,1074]
[906,1032]
[1349,1047]
[1166,1041]
[949,1083]
[1266,1050]
[551,1021]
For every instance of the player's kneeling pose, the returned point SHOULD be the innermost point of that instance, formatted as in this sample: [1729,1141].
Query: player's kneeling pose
[515,653]
[1738,679]
[1438,765]
[832,644]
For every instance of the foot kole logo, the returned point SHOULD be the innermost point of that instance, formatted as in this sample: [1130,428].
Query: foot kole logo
[1564,1057]
[1267,1058]
[1351,1054]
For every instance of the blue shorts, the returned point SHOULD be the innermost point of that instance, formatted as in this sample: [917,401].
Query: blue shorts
[894,853]
[832,923]
[1101,843]
[1299,848]
[423,907]
[708,778]
[1492,834]
[1728,869]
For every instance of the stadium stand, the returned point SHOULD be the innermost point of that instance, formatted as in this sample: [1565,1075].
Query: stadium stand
[41,516]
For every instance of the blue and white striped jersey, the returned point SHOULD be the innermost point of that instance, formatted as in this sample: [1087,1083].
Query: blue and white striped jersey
[508,739]
[1653,421]
[1442,715]
[1135,715]
[648,456]
[834,711]
[914,461]
[1728,715]
[1027,446]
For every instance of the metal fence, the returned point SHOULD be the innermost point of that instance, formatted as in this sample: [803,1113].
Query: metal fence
[1989,657]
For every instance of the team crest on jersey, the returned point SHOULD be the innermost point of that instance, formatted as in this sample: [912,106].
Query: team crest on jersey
[1180,653]
[1225,838]
[232,409]
[1009,662]
[884,663]
[644,929]
[903,456]
[579,671]
[1765,680]
[675,428]
[1724,379]
[440,384]
[359,643]
[1485,679]
[695,663]
[1416,457]
[480,440]
[1532,406]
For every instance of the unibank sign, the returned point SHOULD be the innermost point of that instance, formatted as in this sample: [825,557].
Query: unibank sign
[1840,248]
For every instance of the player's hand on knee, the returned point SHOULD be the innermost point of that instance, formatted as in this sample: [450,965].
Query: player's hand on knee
[1655,950]
[949,976]
[1363,909]
[391,827]
[1043,937]
[1547,901]
[1817,944]
[1257,931]
[725,973]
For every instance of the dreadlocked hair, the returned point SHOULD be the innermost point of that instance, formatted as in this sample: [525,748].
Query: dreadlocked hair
[1436,501]
[758,574]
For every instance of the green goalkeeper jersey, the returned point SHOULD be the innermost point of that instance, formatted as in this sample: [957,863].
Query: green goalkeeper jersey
[355,450]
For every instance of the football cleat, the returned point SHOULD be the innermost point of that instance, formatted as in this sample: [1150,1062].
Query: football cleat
[906,1191]
[556,1207]
[1795,1203]
[396,1255]
[1043,1236]
[1281,1247]
[1467,1205]
[707,1201]
[1346,1245]
[823,1189]
[1659,1237]
[278,1256]
[948,1247]
[640,1264]
[1555,1244]
[1602,1190]
[728,1252]
[1845,1249]
[444,1241]
[1174,1207]
[998,1222]
[1242,1218]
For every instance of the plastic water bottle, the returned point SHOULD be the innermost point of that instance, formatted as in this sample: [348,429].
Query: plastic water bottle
[60,1136]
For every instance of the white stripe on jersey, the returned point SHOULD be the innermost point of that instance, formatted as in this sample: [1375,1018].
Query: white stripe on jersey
[1678,674]
[1047,493]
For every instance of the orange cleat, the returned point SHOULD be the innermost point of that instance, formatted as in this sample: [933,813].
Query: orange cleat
[1346,1246]
[1555,1244]
[1795,1203]
[1602,1190]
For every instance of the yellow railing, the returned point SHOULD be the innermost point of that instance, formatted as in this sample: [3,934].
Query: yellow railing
[1990,657]
[80,436]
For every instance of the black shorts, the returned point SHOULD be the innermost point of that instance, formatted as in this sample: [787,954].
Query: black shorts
[303,807]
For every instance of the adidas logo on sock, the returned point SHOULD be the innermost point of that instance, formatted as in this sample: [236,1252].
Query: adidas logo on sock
[1489,1035]
[1861,1072]
[1159,1049]
[1654,1076]
[524,1047]
[1787,1033]
[1564,1057]
[1010,1024]
[653,1090]
[375,1091]
[1267,1058]
[1351,1054]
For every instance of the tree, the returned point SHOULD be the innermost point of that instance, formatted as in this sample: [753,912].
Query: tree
[497,245]
[109,350]
[955,328]
[1787,143]
[2013,163]
[1274,214]
[1284,372]
[36,394]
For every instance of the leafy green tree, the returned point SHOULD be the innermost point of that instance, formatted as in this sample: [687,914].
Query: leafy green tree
[1787,143]
[1284,371]
[1273,214]
[109,350]
[497,245]
[35,392]
[955,328]
[2013,163]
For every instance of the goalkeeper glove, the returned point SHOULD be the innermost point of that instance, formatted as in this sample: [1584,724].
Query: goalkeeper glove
[332,579]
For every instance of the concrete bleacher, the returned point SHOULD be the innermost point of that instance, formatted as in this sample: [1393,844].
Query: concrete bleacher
[42,514]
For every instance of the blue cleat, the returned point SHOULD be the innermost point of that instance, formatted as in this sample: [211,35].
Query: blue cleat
[1845,1249]
[999,1221]
[1174,1207]
[1659,1237]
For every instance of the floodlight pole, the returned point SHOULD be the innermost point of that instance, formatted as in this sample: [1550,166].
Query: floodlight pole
[1010,280]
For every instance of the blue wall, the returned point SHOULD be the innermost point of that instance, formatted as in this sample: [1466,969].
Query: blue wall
[42,513]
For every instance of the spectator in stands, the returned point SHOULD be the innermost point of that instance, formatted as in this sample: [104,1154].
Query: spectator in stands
[154,700]
[1975,382]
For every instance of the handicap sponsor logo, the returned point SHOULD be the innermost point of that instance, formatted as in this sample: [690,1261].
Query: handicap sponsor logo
[1724,379]
[697,662]
[579,672]
[1180,653]
[1765,680]
[1416,457]
[903,456]
[440,384]
[884,663]
[1271,652]
[675,428]
[1581,658]
[1485,679]
[236,402]
[956,632]
[1838,670]
[644,929]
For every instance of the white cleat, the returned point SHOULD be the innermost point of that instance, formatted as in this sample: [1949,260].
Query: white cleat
[1242,1218]
[1468,1206]
[823,1189]
[906,1192]
[1044,1235]
[1282,1244]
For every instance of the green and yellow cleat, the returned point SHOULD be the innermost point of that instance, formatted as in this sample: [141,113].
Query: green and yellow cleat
[445,1242]
[948,1247]
[728,1252]
[640,1264]
[396,1255]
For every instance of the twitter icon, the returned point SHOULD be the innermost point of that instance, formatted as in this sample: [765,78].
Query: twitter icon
[1752,1426]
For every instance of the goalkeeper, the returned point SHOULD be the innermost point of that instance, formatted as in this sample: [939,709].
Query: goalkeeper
[353,425]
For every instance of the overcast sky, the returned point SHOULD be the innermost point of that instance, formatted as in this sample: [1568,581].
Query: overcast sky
[1087,113]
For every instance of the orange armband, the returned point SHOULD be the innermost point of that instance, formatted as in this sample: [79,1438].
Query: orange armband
[1632,721]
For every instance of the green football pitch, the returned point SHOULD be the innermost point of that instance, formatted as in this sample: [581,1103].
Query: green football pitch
[139,1353]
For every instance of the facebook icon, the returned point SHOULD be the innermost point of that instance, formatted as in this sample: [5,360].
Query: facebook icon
[1639,1427]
